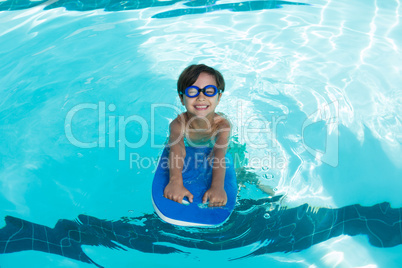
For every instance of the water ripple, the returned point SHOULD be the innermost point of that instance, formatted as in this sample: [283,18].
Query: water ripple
[118,5]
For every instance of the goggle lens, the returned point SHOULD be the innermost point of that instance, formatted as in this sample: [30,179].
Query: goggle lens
[192,92]
[209,90]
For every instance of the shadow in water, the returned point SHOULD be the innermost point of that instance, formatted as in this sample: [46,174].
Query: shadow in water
[195,7]
[262,221]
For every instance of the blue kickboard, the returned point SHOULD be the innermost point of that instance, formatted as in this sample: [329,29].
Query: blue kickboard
[197,177]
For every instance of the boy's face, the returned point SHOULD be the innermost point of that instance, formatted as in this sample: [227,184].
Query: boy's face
[202,106]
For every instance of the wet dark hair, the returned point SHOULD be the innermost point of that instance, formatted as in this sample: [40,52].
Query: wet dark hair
[191,73]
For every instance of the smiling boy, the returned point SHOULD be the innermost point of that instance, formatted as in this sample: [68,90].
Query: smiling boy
[200,89]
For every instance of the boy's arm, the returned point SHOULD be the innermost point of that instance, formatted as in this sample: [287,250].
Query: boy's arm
[216,193]
[175,189]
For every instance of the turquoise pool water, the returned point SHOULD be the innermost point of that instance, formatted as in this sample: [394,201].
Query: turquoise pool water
[88,88]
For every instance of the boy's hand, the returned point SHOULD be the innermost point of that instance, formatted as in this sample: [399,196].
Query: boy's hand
[216,196]
[176,191]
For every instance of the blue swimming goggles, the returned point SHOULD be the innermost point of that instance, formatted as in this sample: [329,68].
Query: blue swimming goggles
[194,91]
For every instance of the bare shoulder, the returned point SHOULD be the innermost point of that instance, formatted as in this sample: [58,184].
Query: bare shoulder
[178,124]
[223,131]
[222,121]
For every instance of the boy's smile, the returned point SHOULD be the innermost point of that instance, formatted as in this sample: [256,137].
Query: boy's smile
[201,107]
